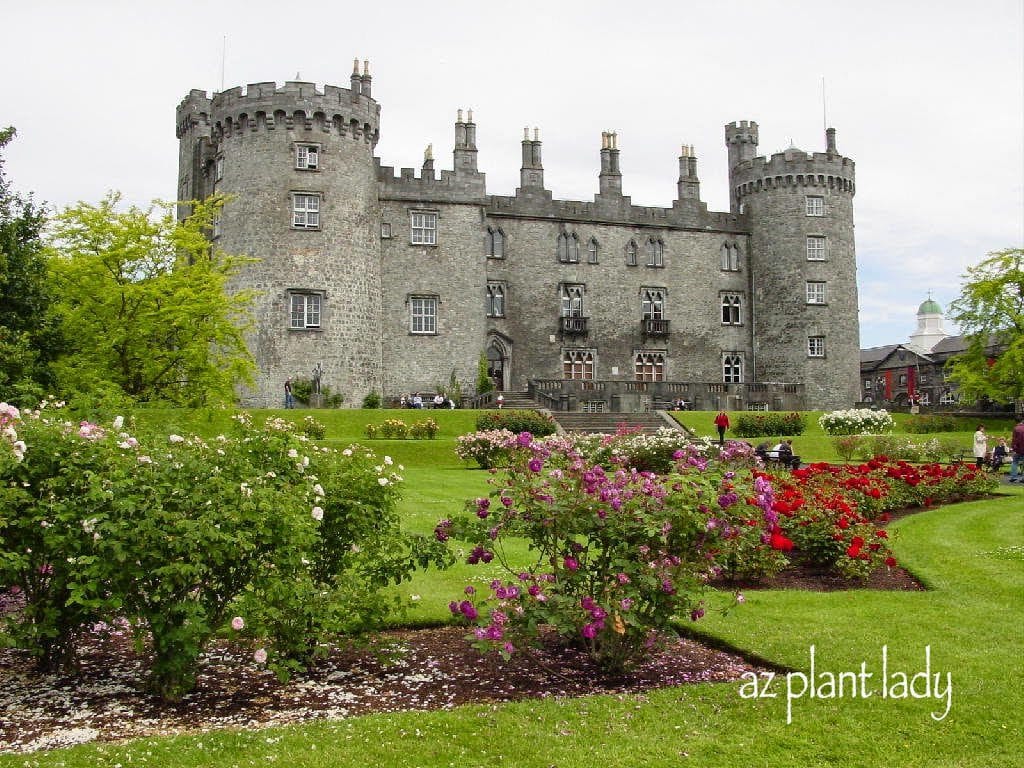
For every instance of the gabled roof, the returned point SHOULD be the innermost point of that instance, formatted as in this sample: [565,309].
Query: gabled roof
[877,357]
[876,354]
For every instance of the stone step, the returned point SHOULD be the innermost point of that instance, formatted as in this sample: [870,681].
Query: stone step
[609,423]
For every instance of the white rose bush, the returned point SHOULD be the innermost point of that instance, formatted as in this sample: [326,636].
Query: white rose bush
[259,535]
[856,421]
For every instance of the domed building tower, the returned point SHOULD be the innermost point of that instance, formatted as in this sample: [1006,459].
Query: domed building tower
[802,259]
[929,327]
[296,164]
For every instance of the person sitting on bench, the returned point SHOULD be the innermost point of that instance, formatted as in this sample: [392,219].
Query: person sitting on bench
[999,455]
[783,453]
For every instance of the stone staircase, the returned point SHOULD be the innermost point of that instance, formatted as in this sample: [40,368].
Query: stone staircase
[610,423]
[520,401]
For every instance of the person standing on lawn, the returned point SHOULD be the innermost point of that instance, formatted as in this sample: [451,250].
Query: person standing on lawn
[1017,446]
[980,446]
[722,422]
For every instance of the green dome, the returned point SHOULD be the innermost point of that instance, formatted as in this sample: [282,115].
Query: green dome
[929,307]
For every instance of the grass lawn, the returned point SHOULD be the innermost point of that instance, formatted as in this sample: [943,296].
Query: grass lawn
[971,555]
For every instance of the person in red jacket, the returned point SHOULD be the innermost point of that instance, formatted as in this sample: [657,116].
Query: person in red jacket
[722,422]
[1017,446]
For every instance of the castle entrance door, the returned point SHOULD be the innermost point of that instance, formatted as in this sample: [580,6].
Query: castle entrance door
[497,364]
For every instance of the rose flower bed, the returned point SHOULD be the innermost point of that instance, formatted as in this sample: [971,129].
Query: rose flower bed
[832,514]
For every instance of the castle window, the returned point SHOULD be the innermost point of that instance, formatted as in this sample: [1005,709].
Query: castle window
[307,157]
[814,205]
[815,346]
[495,300]
[423,314]
[649,366]
[631,253]
[652,303]
[655,253]
[732,368]
[578,364]
[568,248]
[216,224]
[730,257]
[424,228]
[304,310]
[305,211]
[815,292]
[592,251]
[572,300]
[494,243]
[385,230]
[815,248]
[731,306]
[218,168]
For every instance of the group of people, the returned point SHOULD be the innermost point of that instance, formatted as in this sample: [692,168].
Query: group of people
[1000,453]
[415,400]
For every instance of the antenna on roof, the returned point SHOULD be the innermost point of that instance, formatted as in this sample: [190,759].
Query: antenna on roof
[223,56]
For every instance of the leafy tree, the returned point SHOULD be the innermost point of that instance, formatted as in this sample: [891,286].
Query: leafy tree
[145,302]
[990,312]
[29,332]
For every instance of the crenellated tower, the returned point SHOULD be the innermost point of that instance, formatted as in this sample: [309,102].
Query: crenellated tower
[802,264]
[296,163]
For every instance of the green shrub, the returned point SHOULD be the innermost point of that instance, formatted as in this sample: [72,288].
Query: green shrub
[922,424]
[372,400]
[768,424]
[302,390]
[535,423]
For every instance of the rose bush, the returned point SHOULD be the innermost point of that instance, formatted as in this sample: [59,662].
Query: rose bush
[619,551]
[856,421]
[180,534]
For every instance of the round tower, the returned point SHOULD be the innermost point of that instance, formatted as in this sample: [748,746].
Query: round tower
[296,163]
[802,264]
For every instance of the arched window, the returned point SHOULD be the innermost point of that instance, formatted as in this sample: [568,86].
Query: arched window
[631,253]
[655,252]
[494,243]
[730,257]
[495,300]
[568,248]
[572,300]
[652,303]
[592,251]
[649,366]
[731,309]
[578,364]
[732,368]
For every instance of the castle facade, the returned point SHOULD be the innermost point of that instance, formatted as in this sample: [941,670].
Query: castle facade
[396,282]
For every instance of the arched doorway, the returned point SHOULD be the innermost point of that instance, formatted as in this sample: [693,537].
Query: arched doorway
[498,361]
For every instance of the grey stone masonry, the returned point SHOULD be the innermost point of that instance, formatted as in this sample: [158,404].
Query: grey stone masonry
[396,281]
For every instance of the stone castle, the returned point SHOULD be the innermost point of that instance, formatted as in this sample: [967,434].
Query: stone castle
[396,282]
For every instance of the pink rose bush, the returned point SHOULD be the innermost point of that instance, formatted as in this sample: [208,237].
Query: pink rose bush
[619,551]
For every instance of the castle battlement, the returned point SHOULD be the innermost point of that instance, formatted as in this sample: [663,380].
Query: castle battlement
[683,215]
[450,187]
[296,104]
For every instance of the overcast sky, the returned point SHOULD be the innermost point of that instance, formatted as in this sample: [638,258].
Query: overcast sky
[926,97]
